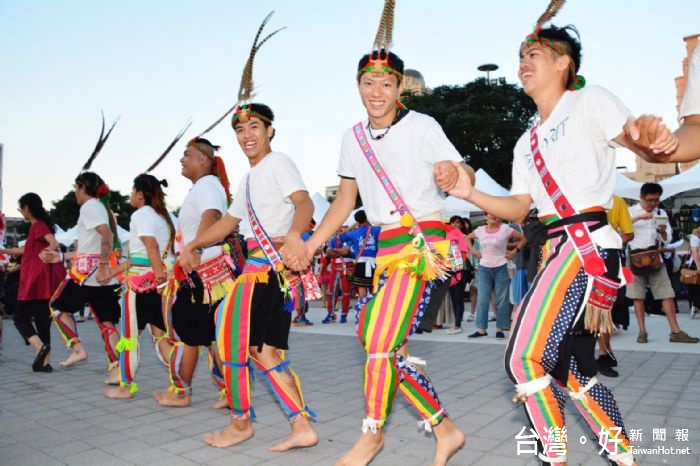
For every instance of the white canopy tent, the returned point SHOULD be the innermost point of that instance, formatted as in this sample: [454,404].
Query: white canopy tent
[626,187]
[687,183]
[484,182]
[321,206]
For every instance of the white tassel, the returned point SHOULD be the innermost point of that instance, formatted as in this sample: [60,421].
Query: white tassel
[626,459]
[370,424]
[427,424]
[556,459]
[581,394]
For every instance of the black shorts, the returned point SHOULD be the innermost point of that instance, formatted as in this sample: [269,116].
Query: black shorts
[103,300]
[269,322]
[359,279]
[149,310]
[193,320]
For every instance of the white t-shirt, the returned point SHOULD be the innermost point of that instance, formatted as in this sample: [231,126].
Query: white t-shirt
[147,222]
[694,243]
[690,105]
[576,142]
[494,245]
[645,232]
[272,181]
[206,194]
[92,215]
[407,154]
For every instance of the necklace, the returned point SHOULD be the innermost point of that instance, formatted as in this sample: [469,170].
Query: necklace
[380,136]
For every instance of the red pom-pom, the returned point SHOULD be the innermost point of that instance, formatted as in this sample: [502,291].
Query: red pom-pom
[179,273]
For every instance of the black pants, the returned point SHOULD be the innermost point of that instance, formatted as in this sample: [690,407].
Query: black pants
[38,311]
[457,297]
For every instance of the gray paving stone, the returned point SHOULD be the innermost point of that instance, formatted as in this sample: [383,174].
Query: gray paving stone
[64,417]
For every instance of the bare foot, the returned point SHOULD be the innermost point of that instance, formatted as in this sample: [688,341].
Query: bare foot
[75,357]
[220,404]
[114,377]
[366,448]
[303,436]
[449,439]
[119,393]
[172,400]
[233,434]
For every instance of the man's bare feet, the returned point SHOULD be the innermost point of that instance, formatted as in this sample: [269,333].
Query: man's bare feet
[114,377]
[78,355]
[302,436]
[366,448]
[233,434]
[449,439]
[119,393]
[221,403]
[172,400]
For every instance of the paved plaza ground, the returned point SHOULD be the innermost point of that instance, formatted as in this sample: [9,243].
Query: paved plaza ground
[64,418]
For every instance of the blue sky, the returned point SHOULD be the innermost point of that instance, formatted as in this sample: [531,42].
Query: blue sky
[158,63]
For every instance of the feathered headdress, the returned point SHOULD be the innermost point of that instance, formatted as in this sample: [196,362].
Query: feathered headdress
[577,81]
[379,56]
[100,143]
[169,148]
[245,91]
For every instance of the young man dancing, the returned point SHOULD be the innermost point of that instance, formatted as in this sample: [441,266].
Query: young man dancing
[565,164]
[390,158]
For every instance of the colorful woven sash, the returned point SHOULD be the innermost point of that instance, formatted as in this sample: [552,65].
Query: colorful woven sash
[85,265]
[293,285]
[578,233]
[603,290]
[428,260]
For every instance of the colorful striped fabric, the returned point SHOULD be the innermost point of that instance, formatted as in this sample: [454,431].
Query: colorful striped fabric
[540,323]
[384,322]
[128,343]
[64,320]
[232,342]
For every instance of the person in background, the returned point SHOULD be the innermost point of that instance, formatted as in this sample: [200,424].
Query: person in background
[493,272]
[458,281]
[37,281]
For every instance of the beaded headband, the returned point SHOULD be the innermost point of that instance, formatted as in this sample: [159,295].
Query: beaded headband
[577,81]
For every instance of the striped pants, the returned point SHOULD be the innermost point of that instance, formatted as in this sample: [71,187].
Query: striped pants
[385,320]
[233,325]
[542,349]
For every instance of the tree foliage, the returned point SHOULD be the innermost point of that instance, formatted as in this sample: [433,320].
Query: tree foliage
[482,121]
[65,211]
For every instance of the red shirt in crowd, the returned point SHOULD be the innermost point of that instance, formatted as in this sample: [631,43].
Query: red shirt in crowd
[37,280]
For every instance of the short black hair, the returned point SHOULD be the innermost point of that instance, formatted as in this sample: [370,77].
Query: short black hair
[360,216]
[569,37]
[394,61]
[651,188]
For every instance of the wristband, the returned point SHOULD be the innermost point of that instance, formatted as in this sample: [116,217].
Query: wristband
[62,256]
[198,251]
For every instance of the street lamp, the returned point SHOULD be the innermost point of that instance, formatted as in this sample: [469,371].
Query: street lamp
[488,67]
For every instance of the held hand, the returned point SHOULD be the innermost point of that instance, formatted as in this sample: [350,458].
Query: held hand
[476,254]
[295,253]
[189,260]
[649,133]
[463,186]
[511,254]
[48,256]
[104,274]
[446,175]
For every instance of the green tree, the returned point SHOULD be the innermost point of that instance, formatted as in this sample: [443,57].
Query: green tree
[65,211]
[482,121]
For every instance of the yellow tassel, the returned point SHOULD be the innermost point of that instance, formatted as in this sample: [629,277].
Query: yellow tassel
[253,277]
[133,388]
